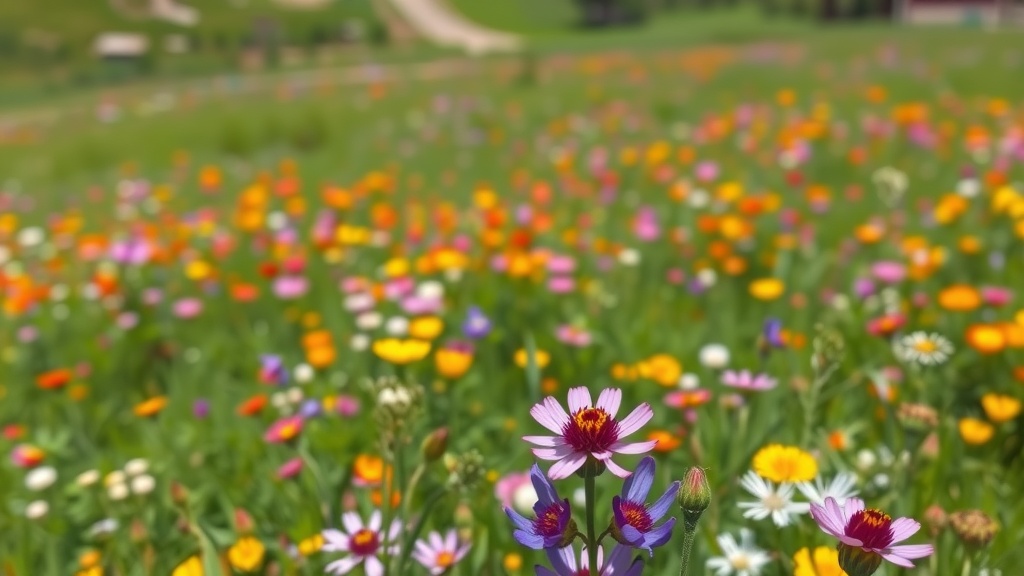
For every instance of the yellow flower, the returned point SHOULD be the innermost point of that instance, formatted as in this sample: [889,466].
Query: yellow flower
[426,328]
[824,562]
[1000,408]
[663,369]
[540,357]
[401,351]
[780,463]
[513,562]
[150,407]
[985,338]
[975,432]
[311,545]
[246,554]
[959,298]
[191,567]
[452,363]
[767,288]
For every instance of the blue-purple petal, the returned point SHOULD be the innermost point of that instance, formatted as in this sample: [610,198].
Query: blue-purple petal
[638,485]
[661,507]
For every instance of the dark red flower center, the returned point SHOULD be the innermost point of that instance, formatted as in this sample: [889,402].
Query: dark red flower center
[636,515]
[547,523]
[872,527]
[364,543]
[591,430]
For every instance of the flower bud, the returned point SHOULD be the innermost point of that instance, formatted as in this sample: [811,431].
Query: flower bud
[973,527]
[243,521]
[137,532]
[435,445]
[694,496]
[179,494]
[856,561]
[936,519]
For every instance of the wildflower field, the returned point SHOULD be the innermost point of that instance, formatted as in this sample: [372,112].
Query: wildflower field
[747,309]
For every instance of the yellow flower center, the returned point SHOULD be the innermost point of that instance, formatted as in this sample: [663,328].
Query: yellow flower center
[445,559]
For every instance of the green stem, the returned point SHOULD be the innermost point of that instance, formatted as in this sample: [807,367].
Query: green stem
[410,540]
[589,485]
[684,559]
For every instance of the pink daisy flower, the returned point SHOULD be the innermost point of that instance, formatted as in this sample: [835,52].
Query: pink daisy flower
[438,554]
[364,543]
[587,431]
[746,380]
[867,536]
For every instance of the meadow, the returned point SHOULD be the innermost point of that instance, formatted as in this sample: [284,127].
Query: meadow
[249,325]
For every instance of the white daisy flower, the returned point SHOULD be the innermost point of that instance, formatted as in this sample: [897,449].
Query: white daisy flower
[841,488]
[773,501]
[924,348]
[742,559]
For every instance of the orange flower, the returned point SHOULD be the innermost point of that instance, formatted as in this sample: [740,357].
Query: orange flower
[975,432]
[376,498]
[321,356]
[666,441]
[1000,408]
[244,292]
[869,233]
[985,338]
[959,298]
[368,471]
[453,362]
[53,379]
[252,406]
[663,369]
[150,407]
[317,339]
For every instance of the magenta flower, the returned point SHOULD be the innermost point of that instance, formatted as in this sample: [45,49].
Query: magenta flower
[362,543]
[889,272]
[573,336]
[284,430]
[550,527]
[867,536]
[748,381]
[996,295]
[588,431]
[188,308]
[290,469]
[561,284]
[290,287]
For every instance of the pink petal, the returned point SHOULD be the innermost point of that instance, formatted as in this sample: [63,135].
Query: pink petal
[352,522]
[609,401]
[911,551]
[335,541]
[850,540]
[897,560]
[903,528]
[602,455]
[640,415]
[546,441]
[579,398]
[853,505]
[826,519]
[550,415]
[838,512]
[552,453]
[566,466]
[616,469]
[634,448]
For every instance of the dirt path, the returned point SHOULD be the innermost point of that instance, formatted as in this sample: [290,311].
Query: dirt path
[437,22]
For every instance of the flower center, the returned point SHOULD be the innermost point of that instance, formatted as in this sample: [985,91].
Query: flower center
[740,562]
[591,430]
[364,543]
[548,522]
[774,502]
[444,560]
[872,527]
[636,515]
[925,346]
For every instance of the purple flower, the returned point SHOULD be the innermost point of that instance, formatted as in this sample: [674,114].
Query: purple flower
[863,287]
[771,336]
[476,325]
[747,381]
[553,517]
[273,370]
[310,409]
[588,431]
[634,520]
[864,535]
[563,560]
[132,252]
[290,287]
[201,408]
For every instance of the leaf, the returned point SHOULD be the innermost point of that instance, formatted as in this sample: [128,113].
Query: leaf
[480,549]
[532,370]
[211,565]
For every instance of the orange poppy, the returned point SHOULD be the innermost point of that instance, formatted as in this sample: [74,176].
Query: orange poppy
[959,298]
[53,379]
[253,405]
[150,407]
[666,441]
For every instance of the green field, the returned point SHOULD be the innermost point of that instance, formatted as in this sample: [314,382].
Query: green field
[626,207]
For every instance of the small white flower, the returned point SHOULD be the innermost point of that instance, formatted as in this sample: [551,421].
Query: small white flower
[840,303]
[841,488]
[359,302]
[707,277]
[37,509]
[117,491]
[698,198]
[115,477]
[927,349]
[881,480]
[143,484]
[369,320]
[714,356]
[294,395]
[629,257]
[430,290]
[40,478]
[30,237]
[387,397]
[103,528]
[968,187]
[397,326]
[689,381]
[88,478]
[279,400]
[739,559]
[277,220]
[524,498]
[359,342]
[866,459]
[136,466]
[579,497]
[773,501]
[303,373]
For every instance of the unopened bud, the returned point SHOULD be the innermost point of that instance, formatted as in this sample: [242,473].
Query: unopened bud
[179,494]
[435,445]
[137,532]
[936,519]
[973,527]
[694,496]
[243,521]
[463,515]
[856,561]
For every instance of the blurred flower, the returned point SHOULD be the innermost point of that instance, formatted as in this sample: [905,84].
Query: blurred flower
[974,431]
[438,554]
[841,488]
[289,469]
[739,559]
[362,543]
[573,336]
[590,432]
[959,298]
[563,560]
[780,463]
[273,370]
[188,308]
[27,456]
[776,502]
[476,325]
[426,327]
[540,357]
[143,484]
[922,348]
[53,379]
[866,536]
[192,566]
[284,430]
[633,519]
[454,360]
[973,527]
[246,554]
[748,382]
[37,509]
[766,289]
[999,407]
[515,490]
[40,478]
[150,407]
[136,466]
[87,478]
[201,408]
[552,526]
[822,561]
[401,352]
